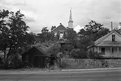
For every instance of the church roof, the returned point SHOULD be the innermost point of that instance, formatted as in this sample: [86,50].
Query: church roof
[59,28]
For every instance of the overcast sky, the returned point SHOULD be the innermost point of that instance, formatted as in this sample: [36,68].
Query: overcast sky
[41,13]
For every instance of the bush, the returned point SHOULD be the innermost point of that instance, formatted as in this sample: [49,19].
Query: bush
[94,55]
[64,64]
[14,61]
[84,63]
[78,53]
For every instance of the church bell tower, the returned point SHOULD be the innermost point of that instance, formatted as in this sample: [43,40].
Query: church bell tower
[70,22]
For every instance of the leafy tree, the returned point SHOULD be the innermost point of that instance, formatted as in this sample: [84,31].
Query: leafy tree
[4,14]
[71,36]
[44,30]
[53,27]
[93,26]
[94,55]
[13,33]
[30,38]
[17,31]
[4,30]
[78,53]
[45,35]
[94,30]
[89,34]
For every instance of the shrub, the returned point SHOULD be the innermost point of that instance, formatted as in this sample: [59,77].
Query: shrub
[78,53]
[15,61]
[94,55]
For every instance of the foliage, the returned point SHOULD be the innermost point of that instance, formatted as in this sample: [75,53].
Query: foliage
[52,28]
[13,33]
[45,35]
[94,30]
[71,36]
[32,38]
[94,55]
[77,53]
[54,49]
[15,61]
[89,34]
[44,30]
[89,63]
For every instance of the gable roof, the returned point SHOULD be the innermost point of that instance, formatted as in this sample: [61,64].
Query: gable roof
[41,50]
[109,43]
[98,42]
[59,28]
[37,49]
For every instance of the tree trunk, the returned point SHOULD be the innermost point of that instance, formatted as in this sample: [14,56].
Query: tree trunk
[5,60]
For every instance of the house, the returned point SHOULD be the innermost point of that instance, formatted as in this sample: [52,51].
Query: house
[59,31]
[109,45]
[35,57]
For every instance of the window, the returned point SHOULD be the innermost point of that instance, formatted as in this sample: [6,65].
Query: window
[113,38]
[103,50]
[119,48]
[112,50]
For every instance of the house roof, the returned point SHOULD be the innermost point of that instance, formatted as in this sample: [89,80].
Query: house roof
[59,28]
[43,52]
[108,43]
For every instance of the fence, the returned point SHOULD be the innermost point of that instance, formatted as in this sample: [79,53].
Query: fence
[90,63]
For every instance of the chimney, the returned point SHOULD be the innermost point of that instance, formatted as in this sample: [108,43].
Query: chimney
[119,25]
[111,26]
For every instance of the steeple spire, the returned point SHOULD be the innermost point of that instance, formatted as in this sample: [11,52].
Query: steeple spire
[70,22]
[70,15]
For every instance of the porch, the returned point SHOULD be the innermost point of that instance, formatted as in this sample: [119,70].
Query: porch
[108,51]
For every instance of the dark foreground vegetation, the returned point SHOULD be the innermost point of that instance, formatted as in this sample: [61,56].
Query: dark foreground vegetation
[15,40]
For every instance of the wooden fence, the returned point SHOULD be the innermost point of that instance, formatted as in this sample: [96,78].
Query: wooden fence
[90,63]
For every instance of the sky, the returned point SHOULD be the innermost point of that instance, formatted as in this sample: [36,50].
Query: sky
[47,13]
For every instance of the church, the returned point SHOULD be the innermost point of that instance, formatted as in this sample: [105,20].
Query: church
[61,29]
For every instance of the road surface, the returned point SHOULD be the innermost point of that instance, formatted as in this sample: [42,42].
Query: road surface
[103,75]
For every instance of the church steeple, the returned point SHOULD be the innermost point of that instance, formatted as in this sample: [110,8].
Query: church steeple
[70,22]
[70,15]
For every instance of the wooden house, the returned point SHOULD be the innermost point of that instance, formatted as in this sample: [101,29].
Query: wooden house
[109,45]
[35,57]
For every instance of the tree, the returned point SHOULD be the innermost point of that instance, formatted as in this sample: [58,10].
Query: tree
[45,35]
[52,28]
[89,34]
[4,32]
[94,30]
[71,35]
[32,38]
[78,53]
[13,33]
[44,30]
